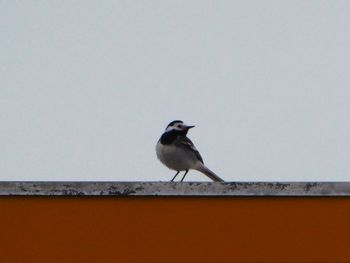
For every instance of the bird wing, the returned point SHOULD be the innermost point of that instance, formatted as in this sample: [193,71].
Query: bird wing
[187,143]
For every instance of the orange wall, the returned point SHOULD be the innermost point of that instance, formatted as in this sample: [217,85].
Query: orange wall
[174,229]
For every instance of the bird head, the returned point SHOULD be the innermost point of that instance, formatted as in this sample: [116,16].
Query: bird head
[178,125]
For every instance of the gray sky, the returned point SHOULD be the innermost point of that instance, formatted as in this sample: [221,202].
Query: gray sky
[87,88]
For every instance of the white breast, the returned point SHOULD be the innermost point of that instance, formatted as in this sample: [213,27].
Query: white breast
[174,158]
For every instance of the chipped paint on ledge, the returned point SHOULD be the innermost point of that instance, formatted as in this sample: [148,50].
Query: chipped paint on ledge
[175,189]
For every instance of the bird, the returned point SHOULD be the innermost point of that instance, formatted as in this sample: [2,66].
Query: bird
[176,151]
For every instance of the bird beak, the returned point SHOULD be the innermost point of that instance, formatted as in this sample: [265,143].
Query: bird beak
[189,127]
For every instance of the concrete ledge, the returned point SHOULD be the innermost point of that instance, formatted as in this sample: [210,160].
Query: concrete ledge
[175,189]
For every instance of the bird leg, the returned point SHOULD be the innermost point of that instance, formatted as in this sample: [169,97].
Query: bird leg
[172,180]
[184,175]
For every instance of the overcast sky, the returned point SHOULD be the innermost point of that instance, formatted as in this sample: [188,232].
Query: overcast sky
[87,88]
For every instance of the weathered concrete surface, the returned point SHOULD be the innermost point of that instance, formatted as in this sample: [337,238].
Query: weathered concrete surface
[173,189]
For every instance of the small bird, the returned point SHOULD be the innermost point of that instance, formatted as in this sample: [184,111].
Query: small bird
[178,153]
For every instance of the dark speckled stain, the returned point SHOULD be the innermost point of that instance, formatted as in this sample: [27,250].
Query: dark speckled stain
[270,185]
[72,192]
[114,190]
[233,186]
[308,186]
[281,186]
[126,192]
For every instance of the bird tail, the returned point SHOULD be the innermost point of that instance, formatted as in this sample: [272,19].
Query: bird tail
[205,170]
